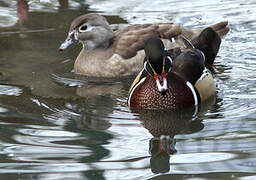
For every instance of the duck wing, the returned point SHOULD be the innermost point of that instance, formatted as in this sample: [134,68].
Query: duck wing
[131,39]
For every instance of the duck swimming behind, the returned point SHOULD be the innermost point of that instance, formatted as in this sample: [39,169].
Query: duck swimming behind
[177,78]
[108,53]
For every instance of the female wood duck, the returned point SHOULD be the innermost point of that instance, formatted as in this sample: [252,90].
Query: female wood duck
[177,78]
[108,53]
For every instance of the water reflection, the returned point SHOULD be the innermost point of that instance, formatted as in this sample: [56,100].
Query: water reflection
[23,7]
[57,125]
[56,136]
[163,125]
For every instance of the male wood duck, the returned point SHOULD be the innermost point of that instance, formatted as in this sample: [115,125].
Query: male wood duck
[177,78]
[108,53]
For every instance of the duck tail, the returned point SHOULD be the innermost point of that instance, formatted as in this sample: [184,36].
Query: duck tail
[221,28]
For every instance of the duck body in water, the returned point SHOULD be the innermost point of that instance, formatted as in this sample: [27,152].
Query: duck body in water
[176,78]
[108,53]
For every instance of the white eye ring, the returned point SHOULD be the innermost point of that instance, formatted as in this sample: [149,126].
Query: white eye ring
[83,28]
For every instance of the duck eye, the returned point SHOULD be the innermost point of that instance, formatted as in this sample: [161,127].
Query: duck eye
[83,28]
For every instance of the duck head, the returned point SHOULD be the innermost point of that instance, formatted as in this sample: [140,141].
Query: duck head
[190,65]
[92,30]
[157,63]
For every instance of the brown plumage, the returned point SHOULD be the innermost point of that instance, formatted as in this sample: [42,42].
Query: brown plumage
[108,53]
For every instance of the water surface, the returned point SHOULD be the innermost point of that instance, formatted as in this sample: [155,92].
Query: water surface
[58,125]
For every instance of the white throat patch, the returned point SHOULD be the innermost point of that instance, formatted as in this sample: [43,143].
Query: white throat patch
[163,87]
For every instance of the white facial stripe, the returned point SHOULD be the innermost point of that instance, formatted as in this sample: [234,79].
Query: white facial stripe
[130,95]
[173,40]
[161,88]
[193,92]
[144,66]
[170,58]
[150,67]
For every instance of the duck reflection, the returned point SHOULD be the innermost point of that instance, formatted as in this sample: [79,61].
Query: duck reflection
[23,7]
[93,87]
[164,125]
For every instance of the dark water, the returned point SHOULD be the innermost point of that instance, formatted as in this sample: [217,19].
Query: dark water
[57,125]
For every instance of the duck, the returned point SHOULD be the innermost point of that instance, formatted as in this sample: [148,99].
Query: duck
[177,78]
[117,53]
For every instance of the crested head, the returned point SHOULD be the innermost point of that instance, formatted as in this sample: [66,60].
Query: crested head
[192,55]
[190,64]
[157,64]
[92,30]
[155,53]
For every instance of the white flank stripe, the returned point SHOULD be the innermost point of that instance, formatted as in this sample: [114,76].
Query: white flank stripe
[130,95]
[193,92]
[195,97]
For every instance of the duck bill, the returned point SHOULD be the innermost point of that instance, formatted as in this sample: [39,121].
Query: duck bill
[161,83]
[68,42]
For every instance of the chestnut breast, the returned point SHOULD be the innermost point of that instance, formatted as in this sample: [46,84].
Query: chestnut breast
[178,95]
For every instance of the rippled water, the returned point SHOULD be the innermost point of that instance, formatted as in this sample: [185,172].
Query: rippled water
[57,125]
